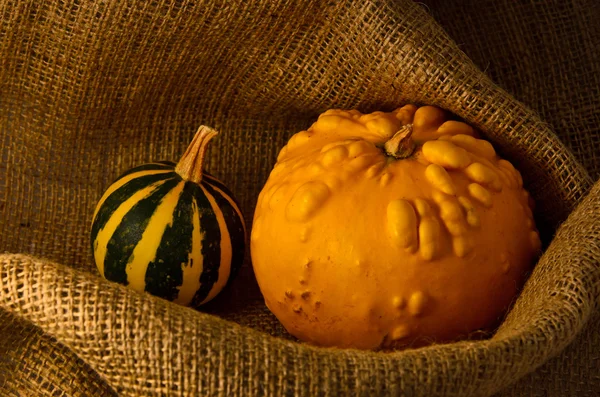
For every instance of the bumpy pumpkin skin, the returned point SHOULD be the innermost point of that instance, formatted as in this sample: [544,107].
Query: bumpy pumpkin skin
[354,248]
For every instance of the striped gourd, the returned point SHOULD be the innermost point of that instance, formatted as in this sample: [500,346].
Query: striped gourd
[170,229]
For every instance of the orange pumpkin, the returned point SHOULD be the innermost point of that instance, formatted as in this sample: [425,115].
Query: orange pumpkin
[385,230]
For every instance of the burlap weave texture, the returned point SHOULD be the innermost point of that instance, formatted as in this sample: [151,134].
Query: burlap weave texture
[89,89]
[545,53]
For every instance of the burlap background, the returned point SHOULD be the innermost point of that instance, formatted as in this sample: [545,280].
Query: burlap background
[88,89]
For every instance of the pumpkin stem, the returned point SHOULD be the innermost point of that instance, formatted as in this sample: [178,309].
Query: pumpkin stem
[400,145]
[190,165]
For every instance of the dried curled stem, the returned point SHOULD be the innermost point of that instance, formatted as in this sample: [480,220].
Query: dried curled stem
[401,145]
[190,165]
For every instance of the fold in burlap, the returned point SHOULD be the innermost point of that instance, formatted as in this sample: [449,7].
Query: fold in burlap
[545,53]
[145,345]
[45,367]
[90,89]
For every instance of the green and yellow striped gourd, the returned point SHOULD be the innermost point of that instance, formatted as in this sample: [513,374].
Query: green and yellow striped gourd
[170,229]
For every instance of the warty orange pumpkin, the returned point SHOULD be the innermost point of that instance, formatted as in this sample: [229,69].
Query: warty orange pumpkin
[387,230]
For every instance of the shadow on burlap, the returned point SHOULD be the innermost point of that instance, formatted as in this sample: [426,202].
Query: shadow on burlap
[89,90]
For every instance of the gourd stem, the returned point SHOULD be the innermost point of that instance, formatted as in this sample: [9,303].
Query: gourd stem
[190,165]
[401,145]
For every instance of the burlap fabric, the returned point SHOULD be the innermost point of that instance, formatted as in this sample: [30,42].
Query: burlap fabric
[88,89]
[545,53]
